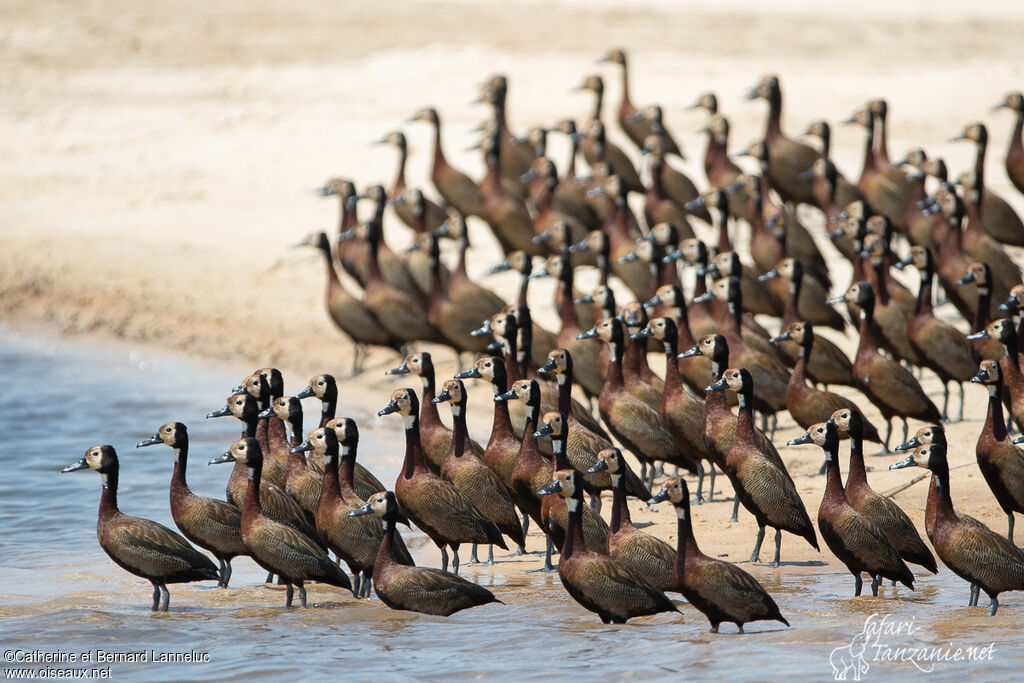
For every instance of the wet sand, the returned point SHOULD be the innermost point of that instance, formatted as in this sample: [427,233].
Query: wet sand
[161,160]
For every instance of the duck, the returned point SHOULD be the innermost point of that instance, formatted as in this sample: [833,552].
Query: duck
[141,546]
[597,149]
[757,298]
[887,190]
[993,215]
[597,582]
[466,470]
[844,191]
[417,260]
[505,212]
[719,168]
[718,423]
[1009,363]
[806,404]
[789,157]
[475,299]
[502,446]
[804,297]
[771,375]
[435,505]
[762,482]
[555,513]
[977,241]
[635,424]
[721,269]
[952,260]
[355,541]
[431,215]
[571,194]
[416,589]
[829,364]
[345,190]
[401,314]
[888,385]
[637,128]
[980,275]
[583,445]
[207,522]
[650,557]
[530,470]
[670,191]
[942,348]
[265,385]
[683,413]
[279,548]
[1015,154]
[640,379]
[574,319]
[853,538]
[275,501]
[347,312]
[974,552]
[694,253]
[455,187]
[303,479]
[882,510]
[434,435]
[516,153]
[722,591]
[695,372]
[922,225]
[548,219]
[1000,461]
[541,340]
[357,246]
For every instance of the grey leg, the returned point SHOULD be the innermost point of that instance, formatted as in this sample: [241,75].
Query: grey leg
[993,605]
[156,597]
[490,556]
[736,511]
[711,485]
[367,584]
[302,593]
[548,567]
[288,594]
[595,502]
[888,435]
[960,417]
[876,581]
[269,579]
[778,547]
[226,573]
[473,559]
[905,428]
[945,401]
[444,559]
[356,584]
[700,481]
[165,597]
[756,555]
[858,585]
[1009,526]
[455,560]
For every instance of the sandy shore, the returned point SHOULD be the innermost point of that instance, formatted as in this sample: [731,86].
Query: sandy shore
[159,160]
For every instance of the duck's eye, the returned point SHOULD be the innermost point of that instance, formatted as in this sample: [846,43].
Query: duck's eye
[167,429]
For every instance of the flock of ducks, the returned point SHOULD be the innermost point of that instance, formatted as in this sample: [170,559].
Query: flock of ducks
[294,497]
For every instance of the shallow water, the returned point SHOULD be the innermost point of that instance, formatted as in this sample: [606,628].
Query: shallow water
[61,594]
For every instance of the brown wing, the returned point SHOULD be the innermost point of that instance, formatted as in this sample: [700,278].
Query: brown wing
[149,549]
[601,584]
[984,557]
[431,591]
[944,347]
[863,539]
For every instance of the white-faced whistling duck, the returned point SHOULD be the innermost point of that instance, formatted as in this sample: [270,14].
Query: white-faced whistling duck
[583,444]
[599,583]
[1000,462]
[889,385]
[363,480]
[417,258]
[345,191]
[843,191]
[506,213]
[530,471]
[303,479]
[502,445]
[275,502]
[209,523]
[1009,363]
[417,589]
[980,275]
[979,244]
[789,157]
[347,312]
[464,468]
[988,211]
[433,215]
[762,482]
[597,149]
[757,299]
[435,505]
[555,513]
[325,388]
[548,220]
[804,297]
[683,412]
[806,404]
[696,372]
[886,189]
[1015,154]
[516,153]
[721,170]
[719,589]
[279,548]
[269,431]
[354,540]
[648,556]
[640,380]
[141,546]
[852,537]
[974,552]
[455,187]
[637,128]
[635,424]
[942,348]
[473,298]
[882,510]
[435,435]
[670,191]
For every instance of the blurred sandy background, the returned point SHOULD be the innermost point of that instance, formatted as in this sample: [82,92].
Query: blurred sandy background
[158,159]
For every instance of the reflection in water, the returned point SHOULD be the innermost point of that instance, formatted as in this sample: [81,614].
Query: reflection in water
[61,593]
